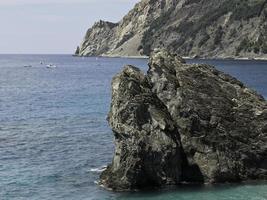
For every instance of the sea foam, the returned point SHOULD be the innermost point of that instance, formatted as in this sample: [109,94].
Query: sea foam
[99,169]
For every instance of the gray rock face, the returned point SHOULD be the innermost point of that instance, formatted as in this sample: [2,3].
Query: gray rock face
[194,28]
[97,39]
[184,123]
[146,139]
[221,122]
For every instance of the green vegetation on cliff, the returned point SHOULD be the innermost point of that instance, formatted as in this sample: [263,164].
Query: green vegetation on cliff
[204,28]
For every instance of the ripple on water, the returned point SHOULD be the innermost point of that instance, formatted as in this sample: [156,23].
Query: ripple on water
[54,138]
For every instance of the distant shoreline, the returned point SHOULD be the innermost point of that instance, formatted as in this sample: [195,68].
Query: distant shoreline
[184,57]
[222,58]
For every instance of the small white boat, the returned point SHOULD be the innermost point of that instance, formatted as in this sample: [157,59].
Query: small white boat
[51,66]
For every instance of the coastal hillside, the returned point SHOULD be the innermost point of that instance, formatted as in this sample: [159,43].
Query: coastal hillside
[190,28]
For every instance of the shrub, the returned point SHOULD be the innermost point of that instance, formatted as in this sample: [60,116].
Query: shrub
[233,33]
[244,9]
[256,49]
[243,46]
[218,36]
[204,39]
[264,48]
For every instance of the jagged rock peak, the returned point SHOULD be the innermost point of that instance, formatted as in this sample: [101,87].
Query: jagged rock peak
[102,23]
[184,123]
[147,148]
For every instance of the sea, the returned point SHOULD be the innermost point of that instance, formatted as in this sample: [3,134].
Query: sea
[54,137]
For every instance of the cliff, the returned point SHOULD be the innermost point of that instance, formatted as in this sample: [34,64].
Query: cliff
[184,123]
[190,28]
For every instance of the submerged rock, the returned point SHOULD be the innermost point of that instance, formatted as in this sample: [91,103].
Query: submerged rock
[184,123]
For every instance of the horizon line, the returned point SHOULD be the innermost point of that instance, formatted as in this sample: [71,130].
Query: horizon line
[36,54]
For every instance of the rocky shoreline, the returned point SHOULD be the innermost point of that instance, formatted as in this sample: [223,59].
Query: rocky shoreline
[184,57]
[183,123]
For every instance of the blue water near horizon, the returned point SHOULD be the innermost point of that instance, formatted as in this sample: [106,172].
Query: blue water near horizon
[54,134]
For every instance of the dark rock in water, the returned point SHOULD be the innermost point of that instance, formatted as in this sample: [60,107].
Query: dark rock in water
[77,51]
[146,138]
[220,121]
[184,123]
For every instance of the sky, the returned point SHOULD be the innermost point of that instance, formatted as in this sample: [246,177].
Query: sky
[53,26]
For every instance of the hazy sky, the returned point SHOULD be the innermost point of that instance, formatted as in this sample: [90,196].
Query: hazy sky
[53,26]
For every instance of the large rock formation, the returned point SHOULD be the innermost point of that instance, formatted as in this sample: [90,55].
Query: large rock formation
[147,141]
[184,123]
[204,28]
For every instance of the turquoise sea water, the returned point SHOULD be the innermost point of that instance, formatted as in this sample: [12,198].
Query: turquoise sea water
[54,136]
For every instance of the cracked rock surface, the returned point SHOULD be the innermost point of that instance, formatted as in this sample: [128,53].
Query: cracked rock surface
[184,123]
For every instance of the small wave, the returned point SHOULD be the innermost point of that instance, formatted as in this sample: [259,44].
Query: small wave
[99,169]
